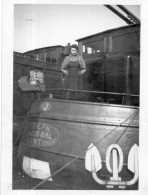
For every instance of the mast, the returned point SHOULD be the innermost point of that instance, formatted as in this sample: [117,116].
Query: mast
[130,19]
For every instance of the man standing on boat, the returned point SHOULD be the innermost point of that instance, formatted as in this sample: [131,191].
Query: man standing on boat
[73,67]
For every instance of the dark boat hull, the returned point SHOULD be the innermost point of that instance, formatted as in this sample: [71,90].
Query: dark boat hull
[61,134]
[74,176]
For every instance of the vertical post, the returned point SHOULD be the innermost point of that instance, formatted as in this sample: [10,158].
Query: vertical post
[128,90]
[110,43]
[45,56]
[105,44]
[51,56]
[67,95]
[80,48]
[57,54]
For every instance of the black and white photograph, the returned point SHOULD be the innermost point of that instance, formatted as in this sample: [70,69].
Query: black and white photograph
[75,97]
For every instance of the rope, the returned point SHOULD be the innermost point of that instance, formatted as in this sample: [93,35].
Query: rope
[126,128]
[20,131]
[67,164]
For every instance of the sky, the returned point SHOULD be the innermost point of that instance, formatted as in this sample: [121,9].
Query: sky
[44,25]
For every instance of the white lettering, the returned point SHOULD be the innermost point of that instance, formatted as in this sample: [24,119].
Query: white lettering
[39,126]
[47,128]
[37,141]
[44,126]
[42,134]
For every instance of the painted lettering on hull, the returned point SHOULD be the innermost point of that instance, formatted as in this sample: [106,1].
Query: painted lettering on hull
[43,134]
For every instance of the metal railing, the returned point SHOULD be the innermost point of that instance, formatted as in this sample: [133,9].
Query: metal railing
[68,91]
